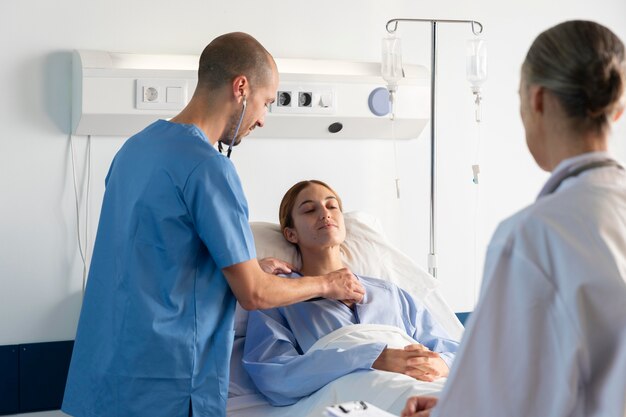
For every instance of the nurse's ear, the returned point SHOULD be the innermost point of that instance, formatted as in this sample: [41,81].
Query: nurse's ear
[291,235]
[618,114]
[537,97]
[239,87]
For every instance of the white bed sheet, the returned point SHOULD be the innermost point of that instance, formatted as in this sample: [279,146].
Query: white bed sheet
[366,251]
[386,390]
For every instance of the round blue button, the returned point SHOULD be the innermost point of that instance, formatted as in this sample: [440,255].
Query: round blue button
[378,101]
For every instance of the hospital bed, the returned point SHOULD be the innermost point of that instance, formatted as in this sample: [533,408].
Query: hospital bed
[366,251]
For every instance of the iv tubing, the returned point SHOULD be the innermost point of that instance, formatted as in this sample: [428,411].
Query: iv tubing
[433,151]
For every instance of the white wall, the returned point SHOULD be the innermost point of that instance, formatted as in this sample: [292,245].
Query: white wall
[40,270]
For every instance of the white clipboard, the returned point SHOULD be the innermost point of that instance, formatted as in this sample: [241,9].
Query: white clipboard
[356,409]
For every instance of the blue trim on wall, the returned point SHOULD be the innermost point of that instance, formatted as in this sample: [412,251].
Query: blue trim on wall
[33,376]
[463,316]
[43,373]
[9,377]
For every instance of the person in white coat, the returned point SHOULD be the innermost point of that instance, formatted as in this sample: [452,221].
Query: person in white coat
[548,337]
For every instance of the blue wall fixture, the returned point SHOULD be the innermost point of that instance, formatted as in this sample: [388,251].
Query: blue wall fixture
[43,372]
[9,374]
[32,376]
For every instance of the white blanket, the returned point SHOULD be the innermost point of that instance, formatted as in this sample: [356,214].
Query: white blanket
[385,390]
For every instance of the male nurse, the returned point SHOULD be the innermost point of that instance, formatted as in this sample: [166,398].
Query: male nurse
[174,252]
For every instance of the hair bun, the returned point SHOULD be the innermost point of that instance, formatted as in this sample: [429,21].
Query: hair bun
[604,87]
[584,64]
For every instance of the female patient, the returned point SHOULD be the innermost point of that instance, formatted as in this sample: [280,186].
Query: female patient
[278,339]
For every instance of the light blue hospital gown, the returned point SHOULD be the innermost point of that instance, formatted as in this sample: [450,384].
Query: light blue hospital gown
[155,330]
[277,338]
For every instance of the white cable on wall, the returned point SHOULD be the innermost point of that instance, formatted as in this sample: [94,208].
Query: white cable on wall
[88,193]
[82,243]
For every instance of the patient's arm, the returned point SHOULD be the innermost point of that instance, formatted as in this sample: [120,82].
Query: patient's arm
[282,372]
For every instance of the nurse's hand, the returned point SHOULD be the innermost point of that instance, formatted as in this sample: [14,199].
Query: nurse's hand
[342,284]
[275,266]
[415,361]
[419,406]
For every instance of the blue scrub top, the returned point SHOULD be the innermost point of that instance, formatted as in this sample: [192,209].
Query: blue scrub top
[156,326]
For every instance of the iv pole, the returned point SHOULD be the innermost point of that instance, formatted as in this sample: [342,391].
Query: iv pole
[477,29]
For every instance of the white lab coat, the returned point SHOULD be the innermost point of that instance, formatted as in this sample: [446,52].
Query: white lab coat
[548,337]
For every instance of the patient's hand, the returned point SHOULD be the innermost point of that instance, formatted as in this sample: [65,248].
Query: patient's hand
[433,367]
[415,361]
[275,266]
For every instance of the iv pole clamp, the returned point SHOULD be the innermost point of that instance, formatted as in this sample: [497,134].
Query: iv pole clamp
[477,29]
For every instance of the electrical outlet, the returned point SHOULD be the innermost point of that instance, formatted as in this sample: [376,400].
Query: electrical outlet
[161,94]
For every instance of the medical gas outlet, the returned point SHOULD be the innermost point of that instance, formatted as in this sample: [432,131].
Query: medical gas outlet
[299,100]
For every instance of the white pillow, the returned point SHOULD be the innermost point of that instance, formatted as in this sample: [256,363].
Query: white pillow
[365,251]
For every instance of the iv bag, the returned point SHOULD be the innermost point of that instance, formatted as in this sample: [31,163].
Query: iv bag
[476,63]
[391,67]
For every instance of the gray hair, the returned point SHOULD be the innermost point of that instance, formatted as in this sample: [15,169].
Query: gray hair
[583,64]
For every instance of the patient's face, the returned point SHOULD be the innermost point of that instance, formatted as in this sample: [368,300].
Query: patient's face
[317,219]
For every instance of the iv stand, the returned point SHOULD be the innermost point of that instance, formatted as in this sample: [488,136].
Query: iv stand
[477,29]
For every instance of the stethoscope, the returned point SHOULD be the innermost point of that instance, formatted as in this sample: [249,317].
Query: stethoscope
[554,183]
[232,141]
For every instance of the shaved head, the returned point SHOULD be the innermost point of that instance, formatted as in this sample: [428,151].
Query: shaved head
[232,55]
